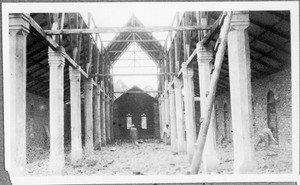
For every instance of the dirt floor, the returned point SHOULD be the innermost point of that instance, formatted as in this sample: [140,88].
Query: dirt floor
[152,157]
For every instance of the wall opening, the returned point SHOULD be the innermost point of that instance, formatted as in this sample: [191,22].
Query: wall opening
[272,116]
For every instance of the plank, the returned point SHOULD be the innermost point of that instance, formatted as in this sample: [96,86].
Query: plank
[127,29]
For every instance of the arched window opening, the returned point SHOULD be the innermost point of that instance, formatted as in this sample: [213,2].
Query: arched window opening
[272,116]
[128,121]
[144,121]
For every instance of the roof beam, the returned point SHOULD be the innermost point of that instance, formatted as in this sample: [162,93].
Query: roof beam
[145,74]
[130,40]
[123,51]
[127,29]
[53,45]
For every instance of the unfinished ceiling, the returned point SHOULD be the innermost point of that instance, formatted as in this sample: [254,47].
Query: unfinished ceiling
[269,37]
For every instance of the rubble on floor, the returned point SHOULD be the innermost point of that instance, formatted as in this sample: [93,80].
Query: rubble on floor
[152,157]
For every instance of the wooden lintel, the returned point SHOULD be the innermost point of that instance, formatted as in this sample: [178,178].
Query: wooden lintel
[149,74]
[135,92]
[127,30]
[130,40]
[124,51]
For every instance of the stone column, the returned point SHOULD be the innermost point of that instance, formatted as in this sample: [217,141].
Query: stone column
[240,93]
[88,111]
[76,144]
[103,122]
[163,114]
[56,64]
[210,159]
[179,117]
[189,105]
[97,119]
[173,119]
[18,31]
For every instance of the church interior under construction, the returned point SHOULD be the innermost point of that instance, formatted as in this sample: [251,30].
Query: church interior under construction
[221,78]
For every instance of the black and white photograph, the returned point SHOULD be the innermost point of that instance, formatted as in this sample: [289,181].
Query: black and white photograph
[150,92]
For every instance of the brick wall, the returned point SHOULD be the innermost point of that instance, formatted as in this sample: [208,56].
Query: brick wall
[280,84]
[37,119]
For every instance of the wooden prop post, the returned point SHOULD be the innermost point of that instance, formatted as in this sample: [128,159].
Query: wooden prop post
[197,157]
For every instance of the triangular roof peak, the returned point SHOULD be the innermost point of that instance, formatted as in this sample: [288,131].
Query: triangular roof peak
[122,46]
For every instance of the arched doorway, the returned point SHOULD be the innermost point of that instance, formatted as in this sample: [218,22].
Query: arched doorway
[271,115]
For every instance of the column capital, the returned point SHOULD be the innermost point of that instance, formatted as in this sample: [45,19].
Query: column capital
[74,74]
[171,90]
[178,83]
[186,71]
[240,20]
[19,22]
[204,53]
[88,83]
[56,57]
[98,89]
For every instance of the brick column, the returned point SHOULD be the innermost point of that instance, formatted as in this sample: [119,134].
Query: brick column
[88,111]
[173,119]
[97,119]
[56,64]
[240,93]
[18,31]
[189,105]
[103,122]
[179,117]
[210,159]
[76,144]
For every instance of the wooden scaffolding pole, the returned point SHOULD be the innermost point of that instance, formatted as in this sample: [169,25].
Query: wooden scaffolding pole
[197,157]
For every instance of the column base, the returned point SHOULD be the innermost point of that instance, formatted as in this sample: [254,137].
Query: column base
[4,178]
[247,167]
[97,146]
[210,162]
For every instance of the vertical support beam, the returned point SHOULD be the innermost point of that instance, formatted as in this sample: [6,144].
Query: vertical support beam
[88,111]
[171,61]
[56,64]
[173,119]
[179,117]
[97,119]
[163,114]
[177,51]
[186,37]
[76,144]
[204,56]
[240,93]
[18,31]
[189,105]
[103,122]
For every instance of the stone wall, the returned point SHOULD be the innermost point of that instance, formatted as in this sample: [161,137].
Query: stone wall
[37,123]
[280,84]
